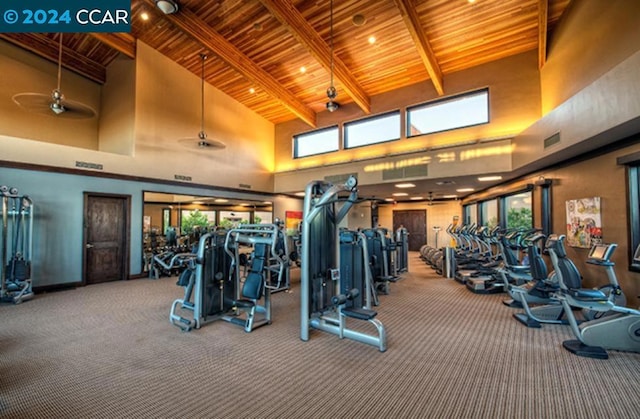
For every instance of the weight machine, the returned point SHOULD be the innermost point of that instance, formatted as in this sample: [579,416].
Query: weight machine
[16,246]
[327,298]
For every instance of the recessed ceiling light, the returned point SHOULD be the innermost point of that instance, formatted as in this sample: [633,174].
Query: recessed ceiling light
[445,182]
[372,39]
[358,20]
[449,196]
[252,90]
[257,26]
[416,198]
[303,69]
[266,202]
[144,16]
[400,194]
[299,194]
[389,199]
[465,190]
[489,178]
[197,202]
[221,200]
[405,185]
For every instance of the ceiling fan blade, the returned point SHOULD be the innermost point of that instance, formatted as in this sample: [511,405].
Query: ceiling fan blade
[33,102]
[76,110]
[41,103]
[197,143]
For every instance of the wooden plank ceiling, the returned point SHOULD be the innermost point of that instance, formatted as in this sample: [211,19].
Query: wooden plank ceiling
[258,47]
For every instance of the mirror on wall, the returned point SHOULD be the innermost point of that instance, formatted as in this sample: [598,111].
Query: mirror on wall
[175,221]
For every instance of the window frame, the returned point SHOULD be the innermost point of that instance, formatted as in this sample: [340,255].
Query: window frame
[345,126]
[436,102]
[296,137]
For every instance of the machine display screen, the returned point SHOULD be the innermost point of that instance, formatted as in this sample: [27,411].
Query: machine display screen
[598,251]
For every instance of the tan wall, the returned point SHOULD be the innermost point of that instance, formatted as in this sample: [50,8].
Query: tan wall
[440,215]
[168,109]
[141,128]
[591,39]
[118,116]
[514,104]
[23,72]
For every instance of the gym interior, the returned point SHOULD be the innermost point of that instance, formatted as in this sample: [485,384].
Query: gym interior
[101,259]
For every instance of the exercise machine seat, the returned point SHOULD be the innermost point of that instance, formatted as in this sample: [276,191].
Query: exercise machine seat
[584,294]
[568,272]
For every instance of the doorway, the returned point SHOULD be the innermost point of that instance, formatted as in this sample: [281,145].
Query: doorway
[106,237]
[415,221]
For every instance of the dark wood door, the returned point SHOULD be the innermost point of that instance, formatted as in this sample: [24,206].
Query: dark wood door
[106,233]
[415,221]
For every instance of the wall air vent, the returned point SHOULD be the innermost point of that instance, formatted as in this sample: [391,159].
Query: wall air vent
[419,170]
[554,139]
[244,186]
[182,177]
[87,165]
[342,178]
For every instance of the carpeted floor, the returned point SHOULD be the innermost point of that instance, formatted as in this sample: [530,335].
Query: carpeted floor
[109,351]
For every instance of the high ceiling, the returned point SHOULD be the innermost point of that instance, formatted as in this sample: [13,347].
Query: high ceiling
[258,47]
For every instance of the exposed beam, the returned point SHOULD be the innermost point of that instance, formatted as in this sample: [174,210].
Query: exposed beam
[412,22]
[192,25]
[302,30]
[47,48]
[121,42]
[543,20]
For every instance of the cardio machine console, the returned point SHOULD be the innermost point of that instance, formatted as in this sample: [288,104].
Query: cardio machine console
[600,254]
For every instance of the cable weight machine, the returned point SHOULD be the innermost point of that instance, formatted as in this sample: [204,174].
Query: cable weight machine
[16,246]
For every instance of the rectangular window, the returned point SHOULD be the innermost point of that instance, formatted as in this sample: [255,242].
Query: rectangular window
[489,213]
[442,115]
[377,129]
[320,141]
[190,219]
[470,214]
[519,213]
[262,217]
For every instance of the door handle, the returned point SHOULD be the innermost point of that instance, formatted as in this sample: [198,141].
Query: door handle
[90,246]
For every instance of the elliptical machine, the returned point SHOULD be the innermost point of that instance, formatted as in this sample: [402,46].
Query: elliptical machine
[16,246]
[618,331]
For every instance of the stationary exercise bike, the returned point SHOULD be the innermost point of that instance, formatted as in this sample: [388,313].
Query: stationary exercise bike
[618,331]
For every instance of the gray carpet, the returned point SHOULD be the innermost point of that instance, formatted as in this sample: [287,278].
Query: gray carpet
[109,351]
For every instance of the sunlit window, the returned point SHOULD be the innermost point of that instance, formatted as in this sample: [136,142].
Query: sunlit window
[373,130]
[449,113]
[471,214]
[315,142]
[518,210]
[489,213]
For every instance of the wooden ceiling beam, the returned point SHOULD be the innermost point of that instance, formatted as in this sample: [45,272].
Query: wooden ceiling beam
[543,20]
[122,42]
[412,22]
[47,48]
[192,25]
[301,29]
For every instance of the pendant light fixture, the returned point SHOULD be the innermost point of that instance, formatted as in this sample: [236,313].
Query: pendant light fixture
[332,105]
[201,141]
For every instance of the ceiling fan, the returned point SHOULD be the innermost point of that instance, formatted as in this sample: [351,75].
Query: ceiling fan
[55,103]
[201,142]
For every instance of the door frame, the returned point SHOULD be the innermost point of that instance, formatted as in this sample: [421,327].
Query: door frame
[126,239]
